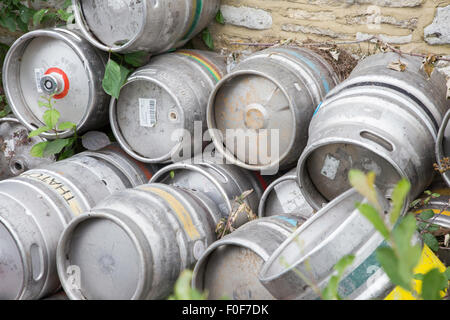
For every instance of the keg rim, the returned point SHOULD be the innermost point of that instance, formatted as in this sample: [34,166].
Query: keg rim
[20,45]
[265,276]
[305,183]
[62,261]
[439,147]
[157,177]
[289,176]
[139,75]
[22,253]
[211,123]
[84,28]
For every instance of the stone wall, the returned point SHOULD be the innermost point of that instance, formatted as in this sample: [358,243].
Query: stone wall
[415,25]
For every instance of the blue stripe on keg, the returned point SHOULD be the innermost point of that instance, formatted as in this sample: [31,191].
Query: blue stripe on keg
[310,64]
[317,109]
[288,220]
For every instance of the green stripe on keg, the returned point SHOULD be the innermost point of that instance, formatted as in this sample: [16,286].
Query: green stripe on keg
[360,275]
[198,6]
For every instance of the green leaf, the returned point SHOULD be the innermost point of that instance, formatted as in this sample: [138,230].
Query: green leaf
[427,214]
[9,22]
[389,262]
[64,15]
[66,126]
[364,184]
[51,118]
[433,282]
[404,231]
[374,217]
[55,146]
[419,276]
[44,104]
[67,153]
[137,59]
[331,290]
[38,16]
[219,17]
[343,263]
[398,199]
[183,290]
[447,273]
[115,77]
[431,241]
[38,149]
[207,39]
[172,174]
[38,131]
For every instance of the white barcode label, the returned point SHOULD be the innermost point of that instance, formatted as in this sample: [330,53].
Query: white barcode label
[147,112]
[38,74]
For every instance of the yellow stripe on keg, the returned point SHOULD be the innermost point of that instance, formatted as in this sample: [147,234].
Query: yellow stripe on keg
[180,211]
[428,261]
[435,211]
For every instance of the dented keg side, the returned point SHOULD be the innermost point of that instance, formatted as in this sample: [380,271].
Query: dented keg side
[161,102]
[284,196]
[36,206]
[61,63]
[369,138]
[146,25]
[271,94]
[156,231]
[336,230]
[15,147]
[229,267]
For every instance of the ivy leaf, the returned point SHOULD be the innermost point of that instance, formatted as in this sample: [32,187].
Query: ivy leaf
[66,126]
[207,39]
[431,241]
[9,23]
[38,131]
[398,199]
[55,146]
[38,16]
[219,17]
[38,149]
[433,283]
[137,59]
[51,118]
[115,77]
[374,217]
[427,214]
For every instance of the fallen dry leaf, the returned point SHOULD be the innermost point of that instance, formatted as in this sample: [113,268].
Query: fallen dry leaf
[428,64]
[397,66]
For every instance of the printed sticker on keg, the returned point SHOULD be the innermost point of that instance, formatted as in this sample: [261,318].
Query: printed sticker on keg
[38,74]
[330,167]
[147,112]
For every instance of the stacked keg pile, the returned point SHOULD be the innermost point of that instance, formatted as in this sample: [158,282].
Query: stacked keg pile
[125,221]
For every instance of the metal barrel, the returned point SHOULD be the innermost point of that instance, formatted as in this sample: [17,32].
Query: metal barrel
[336,230]
[138,240]
[258,115]
[61,63]
[284,196]
[147,25]
[15,147]
[222,183]
[378,120]
[57,296]
[442,149]
[35,208]
[158,107]
[229,267]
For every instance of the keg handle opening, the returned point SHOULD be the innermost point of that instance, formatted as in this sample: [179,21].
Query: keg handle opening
[208,165]
[377,139]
